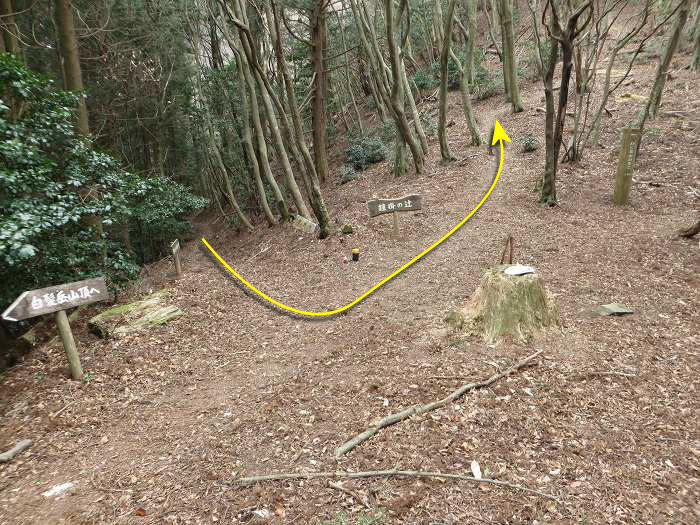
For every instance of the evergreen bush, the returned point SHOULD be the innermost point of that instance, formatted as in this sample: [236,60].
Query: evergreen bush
[365,151]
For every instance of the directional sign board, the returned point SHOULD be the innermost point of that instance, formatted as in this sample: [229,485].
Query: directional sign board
[55,298]
[382,206]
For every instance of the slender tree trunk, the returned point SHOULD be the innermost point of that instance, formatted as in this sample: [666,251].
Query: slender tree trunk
[71,58]
[510,65]
[657,89]
[309,174]
[273,122]
[695,61]
[397,92]
[470,10]
[264,157]
[318,114]
[548,194]
[348,80]
[248,144]
[9,39]
[444,57]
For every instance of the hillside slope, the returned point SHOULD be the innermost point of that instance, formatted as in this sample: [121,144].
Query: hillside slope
[607,421]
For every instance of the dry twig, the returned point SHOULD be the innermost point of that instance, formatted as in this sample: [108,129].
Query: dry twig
[416,410]
[390,473]
[19,447]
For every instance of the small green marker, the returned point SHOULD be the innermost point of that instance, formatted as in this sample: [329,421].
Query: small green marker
[355,254]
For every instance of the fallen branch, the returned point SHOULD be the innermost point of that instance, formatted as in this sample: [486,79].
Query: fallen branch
[19,447]
[389,473]
[416,410]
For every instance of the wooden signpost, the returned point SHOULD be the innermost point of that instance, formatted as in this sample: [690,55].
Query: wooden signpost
[58,299]
[175,247]
[393,206]
[625,166]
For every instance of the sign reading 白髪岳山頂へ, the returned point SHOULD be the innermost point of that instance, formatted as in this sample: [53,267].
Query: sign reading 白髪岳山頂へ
[55,298]
[382,206]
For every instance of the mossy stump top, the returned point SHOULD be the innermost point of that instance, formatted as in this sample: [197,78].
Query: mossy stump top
[505,306]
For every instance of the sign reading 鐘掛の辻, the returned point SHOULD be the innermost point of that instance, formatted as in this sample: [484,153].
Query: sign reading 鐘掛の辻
[382,206]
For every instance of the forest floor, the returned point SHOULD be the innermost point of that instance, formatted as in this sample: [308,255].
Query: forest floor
[607,420]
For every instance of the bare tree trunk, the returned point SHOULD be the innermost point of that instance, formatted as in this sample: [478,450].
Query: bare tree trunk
[348,80]
[695,61]
[248,143]
[260,137]
[397,94]
[309,173]
[273,122]
[554,131]
[9,39]
[548,194]
[318,114]
[657,89]
[470,11]
[444,56]
[509,59]
[71,58]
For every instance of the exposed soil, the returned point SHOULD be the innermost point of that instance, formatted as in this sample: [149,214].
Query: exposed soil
[607,421]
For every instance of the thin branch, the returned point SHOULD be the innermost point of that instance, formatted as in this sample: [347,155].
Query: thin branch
[416,410]
[391,473]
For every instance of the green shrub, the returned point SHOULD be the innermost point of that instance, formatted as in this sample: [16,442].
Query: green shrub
[364,152]
[529,143]
[52,180]
[346,173]
[424,79]
[427,120]
[454,76]
[388,132]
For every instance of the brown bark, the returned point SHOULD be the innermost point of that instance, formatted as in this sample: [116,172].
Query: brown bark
[70,58]
[9,39]
[309,174]
[318,113]
[505,10]
[657,89]
[554,128]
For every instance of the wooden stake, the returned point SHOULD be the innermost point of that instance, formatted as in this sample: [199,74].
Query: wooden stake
[175,246]
[625,166]
[396,224]
[76,370]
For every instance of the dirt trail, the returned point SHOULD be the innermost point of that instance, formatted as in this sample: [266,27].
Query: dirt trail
[172,418]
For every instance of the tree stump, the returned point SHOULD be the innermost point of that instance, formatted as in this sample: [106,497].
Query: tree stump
[505,306]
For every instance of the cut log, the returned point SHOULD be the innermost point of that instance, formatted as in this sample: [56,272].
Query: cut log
[505,306]
[127,318]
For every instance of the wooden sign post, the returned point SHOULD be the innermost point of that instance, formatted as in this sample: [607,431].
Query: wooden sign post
[625,166]
[58,299]
[175,247]
[393,206]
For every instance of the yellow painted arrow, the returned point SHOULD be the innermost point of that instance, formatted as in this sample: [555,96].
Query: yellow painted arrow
[499,135]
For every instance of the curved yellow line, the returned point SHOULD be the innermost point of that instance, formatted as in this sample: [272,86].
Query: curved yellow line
[376,286]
